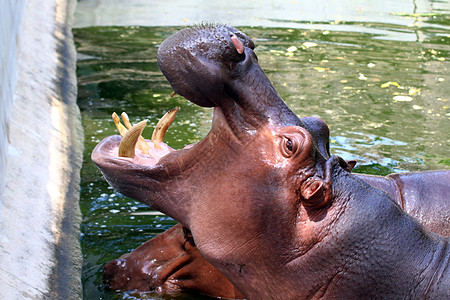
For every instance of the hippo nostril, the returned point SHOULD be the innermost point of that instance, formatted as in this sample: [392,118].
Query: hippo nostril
[237,43]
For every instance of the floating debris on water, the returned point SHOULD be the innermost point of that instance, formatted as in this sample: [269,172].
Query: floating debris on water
[402,98]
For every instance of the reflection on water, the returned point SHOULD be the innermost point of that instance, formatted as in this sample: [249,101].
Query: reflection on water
[349,15]
[386,102]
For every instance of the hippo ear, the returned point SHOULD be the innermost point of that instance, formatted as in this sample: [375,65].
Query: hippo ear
[350,165]
[314,193]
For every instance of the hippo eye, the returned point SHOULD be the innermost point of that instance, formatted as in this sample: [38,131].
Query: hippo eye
[289,146]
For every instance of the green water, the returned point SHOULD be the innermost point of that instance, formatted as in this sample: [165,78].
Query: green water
[386,101]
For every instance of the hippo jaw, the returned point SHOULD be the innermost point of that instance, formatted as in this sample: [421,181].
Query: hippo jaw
[215,66]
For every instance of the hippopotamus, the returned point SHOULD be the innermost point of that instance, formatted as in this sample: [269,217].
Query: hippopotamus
[261,198]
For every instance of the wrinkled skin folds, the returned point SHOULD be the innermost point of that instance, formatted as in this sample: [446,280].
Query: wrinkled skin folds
[265,203]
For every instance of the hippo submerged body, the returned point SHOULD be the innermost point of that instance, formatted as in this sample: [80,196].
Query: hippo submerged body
[263,201]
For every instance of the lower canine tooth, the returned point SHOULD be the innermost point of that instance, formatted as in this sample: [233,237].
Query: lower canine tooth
[162,126]
[129,140]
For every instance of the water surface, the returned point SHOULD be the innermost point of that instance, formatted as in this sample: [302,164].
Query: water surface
[384,92]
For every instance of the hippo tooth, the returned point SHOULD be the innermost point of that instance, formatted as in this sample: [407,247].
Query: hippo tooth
[120,127]
[141,143]
[126,120]
[128,143]
[237,43]
[162,126]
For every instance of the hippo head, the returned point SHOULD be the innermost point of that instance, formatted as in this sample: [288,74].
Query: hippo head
[259,180]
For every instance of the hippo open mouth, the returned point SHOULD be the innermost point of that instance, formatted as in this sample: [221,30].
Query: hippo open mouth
[265,203]
[212,66]
[258,160]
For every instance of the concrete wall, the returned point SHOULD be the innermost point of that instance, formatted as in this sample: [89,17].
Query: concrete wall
[10,16]
[40,152]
